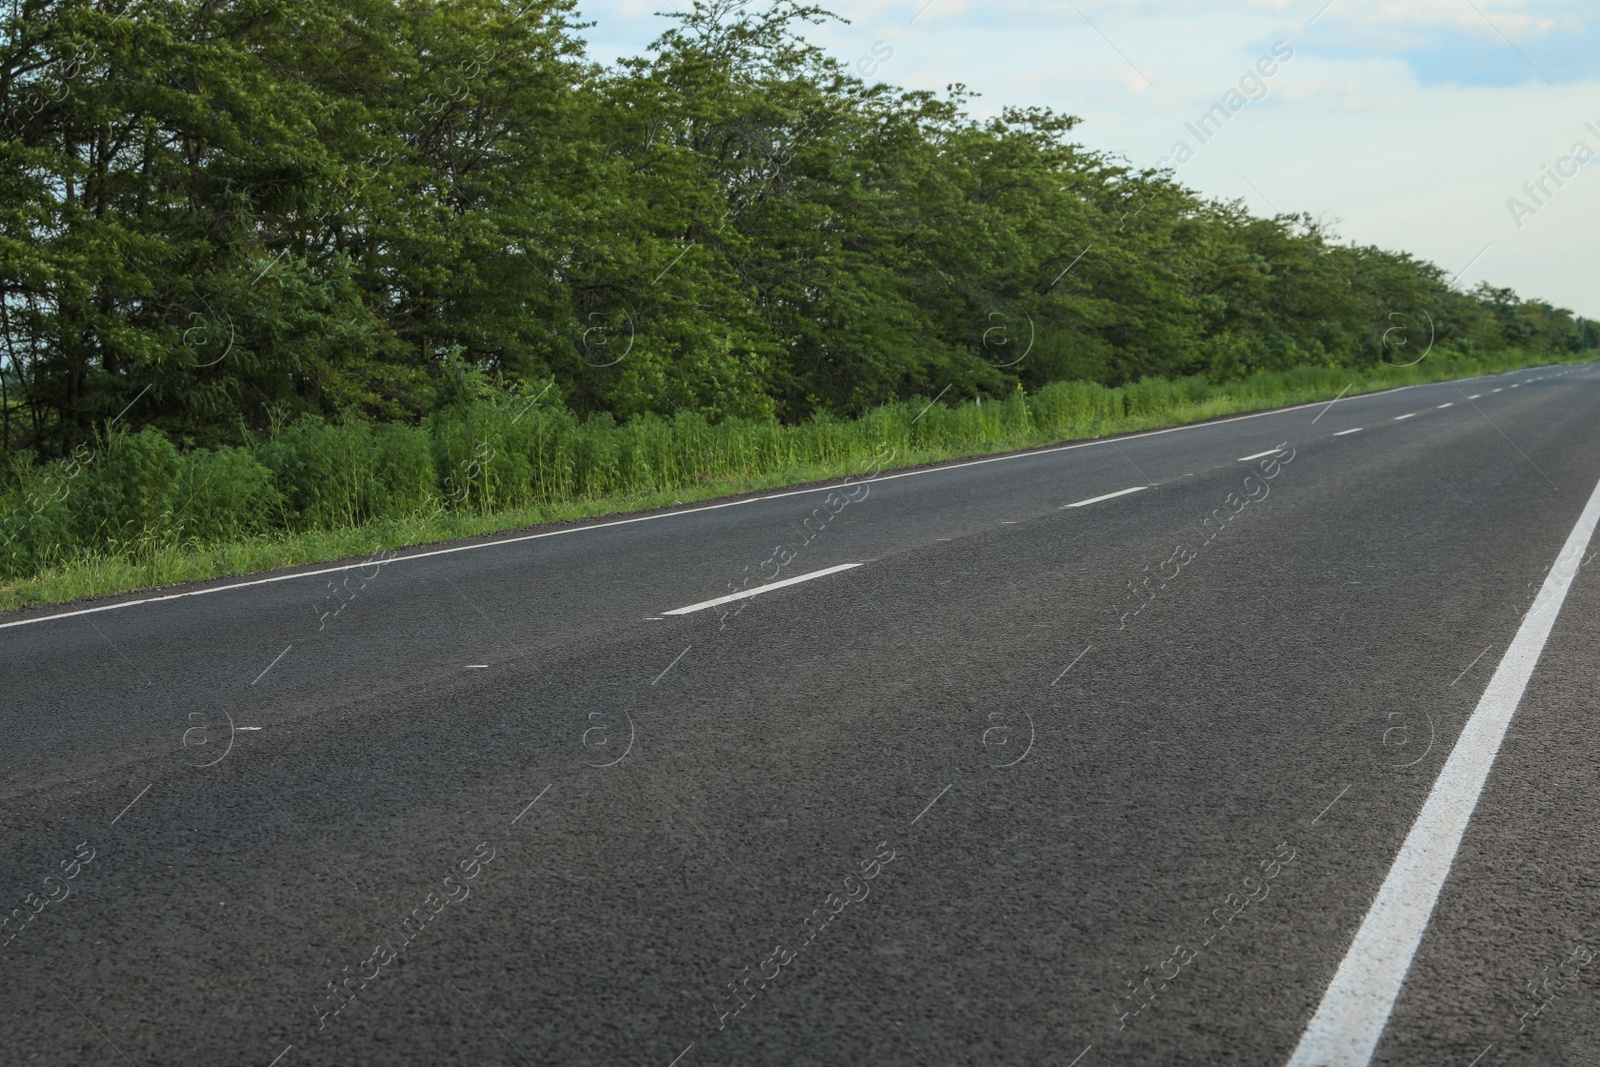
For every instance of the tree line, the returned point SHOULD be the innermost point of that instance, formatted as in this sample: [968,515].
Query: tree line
[222,217]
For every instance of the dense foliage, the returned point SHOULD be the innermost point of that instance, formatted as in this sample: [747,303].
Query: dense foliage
[220,217]
[134,498]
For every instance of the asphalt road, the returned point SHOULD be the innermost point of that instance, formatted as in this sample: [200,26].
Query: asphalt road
[1026,784]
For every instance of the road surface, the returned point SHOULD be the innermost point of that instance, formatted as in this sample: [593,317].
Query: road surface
[1166,776]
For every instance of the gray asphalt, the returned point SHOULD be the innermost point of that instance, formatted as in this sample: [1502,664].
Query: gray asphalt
[948,806]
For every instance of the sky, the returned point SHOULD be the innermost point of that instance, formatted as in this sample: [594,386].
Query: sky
[1409,124]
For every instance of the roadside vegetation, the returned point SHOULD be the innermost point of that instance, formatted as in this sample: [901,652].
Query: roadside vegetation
[294,281]
[137,512]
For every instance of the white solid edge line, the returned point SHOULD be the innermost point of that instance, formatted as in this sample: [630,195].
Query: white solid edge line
[1258,455]
[1341,433]
[1107,496]
[1356,1007]
[708,507]
[731,597]
[1397,418]
[377,563]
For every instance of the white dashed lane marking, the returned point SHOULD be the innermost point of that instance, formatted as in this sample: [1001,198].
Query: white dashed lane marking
[767,588]
[1105,496]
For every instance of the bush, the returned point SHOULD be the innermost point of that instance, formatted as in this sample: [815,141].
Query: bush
[139,495]
[225,495]
[404,468]
[326,472]
[130,493]
[35,515]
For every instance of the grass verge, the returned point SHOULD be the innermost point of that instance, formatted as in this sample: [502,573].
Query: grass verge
[965,431]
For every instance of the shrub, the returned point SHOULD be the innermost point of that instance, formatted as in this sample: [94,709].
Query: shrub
[139,495]
[129,494]
[404,468]
[326,472]
[224,494]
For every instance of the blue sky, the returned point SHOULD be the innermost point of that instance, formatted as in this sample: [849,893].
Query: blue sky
[1410,123]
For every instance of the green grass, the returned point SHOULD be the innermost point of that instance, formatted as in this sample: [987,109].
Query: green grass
[331,494]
